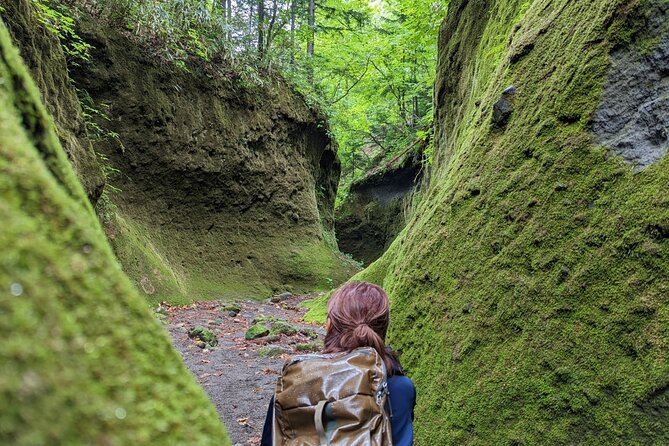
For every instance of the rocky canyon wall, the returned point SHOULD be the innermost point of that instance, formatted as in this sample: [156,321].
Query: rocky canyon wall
[83,359]
[529,290]
[217,187]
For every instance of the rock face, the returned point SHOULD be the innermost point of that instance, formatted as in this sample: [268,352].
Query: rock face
[83,361]
[377,206]
[529,289]
[42,53]
[633,119]
[217,188]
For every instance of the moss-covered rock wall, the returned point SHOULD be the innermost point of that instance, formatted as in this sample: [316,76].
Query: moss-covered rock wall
[530,289]
[226,188]
[377,206]
[82,361]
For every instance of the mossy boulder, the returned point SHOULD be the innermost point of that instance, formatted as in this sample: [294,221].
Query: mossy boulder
[83,359]
[309,332]
[282,327]
[529,288]
[256,331]
[203,334]
[308,347]
[280,297]
[271,351]
[262,319]
[231,309]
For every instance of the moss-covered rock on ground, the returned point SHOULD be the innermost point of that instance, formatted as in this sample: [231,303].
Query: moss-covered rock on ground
[262,319]
[529,291]
[270,351]
[282,327]
[204,334]
[314,346]
[255,331]
[231,310]
[83,360]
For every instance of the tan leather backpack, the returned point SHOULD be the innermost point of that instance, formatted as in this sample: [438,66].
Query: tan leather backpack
[337,399]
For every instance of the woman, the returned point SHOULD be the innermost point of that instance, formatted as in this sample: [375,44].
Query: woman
[358,316]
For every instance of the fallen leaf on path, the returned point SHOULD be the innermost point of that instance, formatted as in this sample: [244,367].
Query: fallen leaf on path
[243,421]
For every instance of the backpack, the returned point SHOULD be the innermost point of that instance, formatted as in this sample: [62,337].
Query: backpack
[337,399]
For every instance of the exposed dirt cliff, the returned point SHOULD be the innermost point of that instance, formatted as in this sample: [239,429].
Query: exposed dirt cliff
[227,190]
[530,289]
[218,187]
[83,360]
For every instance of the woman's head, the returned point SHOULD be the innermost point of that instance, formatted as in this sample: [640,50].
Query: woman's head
[358,316]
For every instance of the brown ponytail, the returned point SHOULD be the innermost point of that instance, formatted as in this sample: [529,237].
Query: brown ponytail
[359,313]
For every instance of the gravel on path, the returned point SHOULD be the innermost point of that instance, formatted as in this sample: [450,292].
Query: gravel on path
[238,377]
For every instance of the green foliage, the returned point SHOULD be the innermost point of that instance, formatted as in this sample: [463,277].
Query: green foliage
[317,309]
[55,18]
[375,78]
[256,331]
[205,335]
[282,327]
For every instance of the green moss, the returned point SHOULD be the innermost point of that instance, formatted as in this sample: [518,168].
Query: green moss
[83,359]
[317,261]
[232,308]
[317,309]
[282,327]
[247,212]
[310,332]
[179,272]
[271,351]
[205,335]
[255,331]
[142,259]
[532,312]
[42,51]
[314,346]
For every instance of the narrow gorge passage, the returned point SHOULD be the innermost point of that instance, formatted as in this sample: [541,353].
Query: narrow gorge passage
[239,375]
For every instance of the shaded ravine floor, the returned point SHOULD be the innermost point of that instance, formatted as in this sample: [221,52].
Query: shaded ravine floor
[238,380]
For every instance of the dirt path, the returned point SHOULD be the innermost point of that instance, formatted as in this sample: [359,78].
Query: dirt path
[239,375]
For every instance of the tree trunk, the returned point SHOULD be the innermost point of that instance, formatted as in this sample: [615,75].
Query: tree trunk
[261,28]
[251,27]
[293,8]
[312,28]
[271,26]
[228,19]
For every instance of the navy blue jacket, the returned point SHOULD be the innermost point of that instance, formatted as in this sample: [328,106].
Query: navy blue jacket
[402,397]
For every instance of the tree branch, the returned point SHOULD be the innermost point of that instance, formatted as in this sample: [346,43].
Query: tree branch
[354,83]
